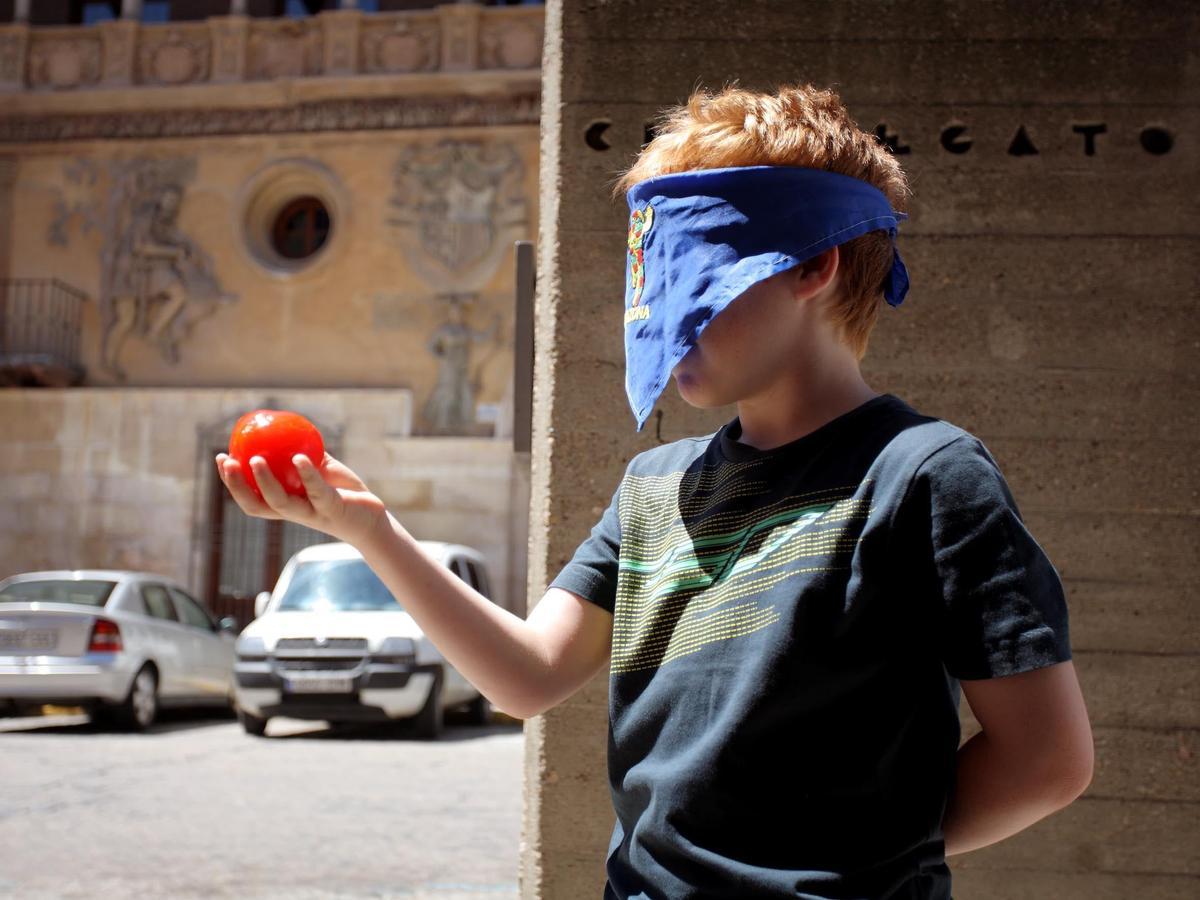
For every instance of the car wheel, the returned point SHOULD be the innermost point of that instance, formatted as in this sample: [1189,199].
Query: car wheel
[251,724]
[479,711]
[141,704]
[428,722]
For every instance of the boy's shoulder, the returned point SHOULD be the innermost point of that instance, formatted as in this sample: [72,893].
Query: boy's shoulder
[897,435]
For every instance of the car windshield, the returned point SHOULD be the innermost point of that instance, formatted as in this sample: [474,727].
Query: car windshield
[336,585]
[66,590]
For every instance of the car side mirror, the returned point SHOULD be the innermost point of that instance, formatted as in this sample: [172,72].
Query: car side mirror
[260,603]
[228,623]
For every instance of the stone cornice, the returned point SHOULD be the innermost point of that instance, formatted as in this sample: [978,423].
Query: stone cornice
[355,114]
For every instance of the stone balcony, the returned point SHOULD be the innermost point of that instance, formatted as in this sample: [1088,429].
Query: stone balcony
[453,37]
[456,64]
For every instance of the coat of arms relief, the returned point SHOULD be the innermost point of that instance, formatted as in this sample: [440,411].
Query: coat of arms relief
[457,209]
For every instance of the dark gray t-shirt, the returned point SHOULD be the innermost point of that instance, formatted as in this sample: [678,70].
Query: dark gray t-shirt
[789,631]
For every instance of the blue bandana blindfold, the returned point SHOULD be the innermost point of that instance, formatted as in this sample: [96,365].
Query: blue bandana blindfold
[699,239]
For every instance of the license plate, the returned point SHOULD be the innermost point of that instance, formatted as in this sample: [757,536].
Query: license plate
[28,640]
[319,685]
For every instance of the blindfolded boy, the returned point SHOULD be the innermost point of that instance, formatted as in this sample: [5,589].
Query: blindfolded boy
[790,605]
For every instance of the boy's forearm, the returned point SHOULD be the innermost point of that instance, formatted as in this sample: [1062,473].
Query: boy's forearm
[996,795]
[492,648]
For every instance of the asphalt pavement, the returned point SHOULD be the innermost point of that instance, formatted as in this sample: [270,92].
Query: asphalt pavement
[197,808]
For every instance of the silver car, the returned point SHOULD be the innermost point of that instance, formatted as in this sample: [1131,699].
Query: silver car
[119,643]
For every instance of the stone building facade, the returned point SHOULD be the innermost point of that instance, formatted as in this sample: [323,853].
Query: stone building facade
[203,217]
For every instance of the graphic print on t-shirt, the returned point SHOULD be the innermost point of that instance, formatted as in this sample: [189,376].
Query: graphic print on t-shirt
[700,578]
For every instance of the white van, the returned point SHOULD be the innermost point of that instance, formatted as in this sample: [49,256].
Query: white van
[330,642]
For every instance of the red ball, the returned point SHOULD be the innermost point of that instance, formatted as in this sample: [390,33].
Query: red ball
[276,435]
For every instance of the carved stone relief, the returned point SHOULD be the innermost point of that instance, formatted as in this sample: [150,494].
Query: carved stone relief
[173,56]
[228,48]
[450,408]
[400,45]
[64,63]
[118,37]
[510,46]
[457,208]
[12,57]
[284,50]
[341,43]
[76,201]
[156,281]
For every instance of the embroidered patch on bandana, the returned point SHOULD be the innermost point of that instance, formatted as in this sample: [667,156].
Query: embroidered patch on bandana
[640,222]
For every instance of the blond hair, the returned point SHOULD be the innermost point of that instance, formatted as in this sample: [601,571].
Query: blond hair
[797,125]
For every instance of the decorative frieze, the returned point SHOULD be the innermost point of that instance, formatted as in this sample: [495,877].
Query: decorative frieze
[400,44]
[360,114]
[174,55]
[452,37]
[70,61]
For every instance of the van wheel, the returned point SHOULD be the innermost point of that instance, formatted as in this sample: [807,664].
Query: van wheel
[428,722]
[255,725]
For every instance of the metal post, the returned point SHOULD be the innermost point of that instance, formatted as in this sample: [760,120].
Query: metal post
[237,7]
[522,425]
[131,9]
[21,10]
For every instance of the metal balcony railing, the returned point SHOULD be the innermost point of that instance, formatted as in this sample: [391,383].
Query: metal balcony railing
[39,332]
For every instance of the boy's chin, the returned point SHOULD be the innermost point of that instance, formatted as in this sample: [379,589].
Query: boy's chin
[694,395]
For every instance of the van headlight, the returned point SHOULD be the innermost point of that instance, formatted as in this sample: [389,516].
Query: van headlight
[250,649]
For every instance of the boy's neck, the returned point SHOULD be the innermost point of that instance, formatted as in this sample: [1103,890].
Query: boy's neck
[790,409]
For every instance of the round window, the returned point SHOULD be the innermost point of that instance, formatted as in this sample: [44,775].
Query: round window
[300,228]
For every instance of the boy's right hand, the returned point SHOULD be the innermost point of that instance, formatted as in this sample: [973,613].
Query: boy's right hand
[338,502]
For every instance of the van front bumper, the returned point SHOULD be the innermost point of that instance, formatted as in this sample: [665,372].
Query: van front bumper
[378,691]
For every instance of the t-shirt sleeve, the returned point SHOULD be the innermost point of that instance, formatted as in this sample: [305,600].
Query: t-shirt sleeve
[592,571]
[999,604]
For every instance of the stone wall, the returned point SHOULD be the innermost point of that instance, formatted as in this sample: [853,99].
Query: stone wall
[116,478]
[1052,314]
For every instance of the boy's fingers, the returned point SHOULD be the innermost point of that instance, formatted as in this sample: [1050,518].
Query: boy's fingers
[338,474]
[320,494]
[242,493]
[287,505]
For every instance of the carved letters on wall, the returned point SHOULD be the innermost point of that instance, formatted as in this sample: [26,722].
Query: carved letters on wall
[156,281]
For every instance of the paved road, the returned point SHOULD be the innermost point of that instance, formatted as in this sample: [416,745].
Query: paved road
[196,808]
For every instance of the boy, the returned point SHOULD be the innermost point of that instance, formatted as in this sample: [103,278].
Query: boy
[790,604]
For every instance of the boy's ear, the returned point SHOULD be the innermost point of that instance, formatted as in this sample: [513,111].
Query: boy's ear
[814,275]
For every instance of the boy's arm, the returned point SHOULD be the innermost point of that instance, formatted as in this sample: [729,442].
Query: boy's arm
[1033,757]
[523,666]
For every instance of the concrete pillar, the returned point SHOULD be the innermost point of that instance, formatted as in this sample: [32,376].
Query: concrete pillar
[131,9]
[1052,314]
[21,10]
[237,7]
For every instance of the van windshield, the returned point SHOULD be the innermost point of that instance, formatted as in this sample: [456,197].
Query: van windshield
[336,585]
